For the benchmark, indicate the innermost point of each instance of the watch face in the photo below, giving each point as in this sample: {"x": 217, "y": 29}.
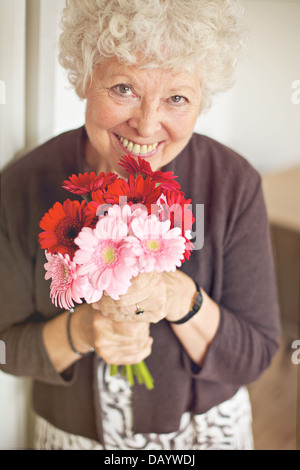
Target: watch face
{"x": 198, "y": 302}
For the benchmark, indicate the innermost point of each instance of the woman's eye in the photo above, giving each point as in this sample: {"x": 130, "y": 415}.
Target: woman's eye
{"x": 123, "y": 89}
{"x": 178, "y": 99}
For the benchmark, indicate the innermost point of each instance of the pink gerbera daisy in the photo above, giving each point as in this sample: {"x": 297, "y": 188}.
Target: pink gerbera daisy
{"x": 162, "y": 248}
{"x": 67, "y": 286}
{"x": 106, "y": 256}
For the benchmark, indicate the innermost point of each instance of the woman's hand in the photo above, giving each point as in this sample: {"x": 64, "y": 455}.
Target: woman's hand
{"x": 147, "y": 291}
{"x": 120, "y": 336}
{"x": 116, "y": 342}
{"x": 167, "y": 295}
{"x": 121, "y": 343}
{"x": 180, "y": 293}
{"x": 159, "y": 295}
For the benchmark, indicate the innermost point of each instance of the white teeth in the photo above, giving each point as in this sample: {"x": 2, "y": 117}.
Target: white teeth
{"x": 136, "y": 148}
{"x": 144, "y": 149}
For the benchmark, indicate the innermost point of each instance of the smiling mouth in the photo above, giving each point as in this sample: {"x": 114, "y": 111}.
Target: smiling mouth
{"x": 137, "y": 149}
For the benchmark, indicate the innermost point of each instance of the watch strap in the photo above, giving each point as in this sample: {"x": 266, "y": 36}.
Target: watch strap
{"x": 197, "y": 304}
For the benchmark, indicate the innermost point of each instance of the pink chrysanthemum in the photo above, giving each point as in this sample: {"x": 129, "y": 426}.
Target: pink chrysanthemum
{"x": 67, "y": 286}
{"x": 106, "y": 255}
{"x": 162, "y": 247}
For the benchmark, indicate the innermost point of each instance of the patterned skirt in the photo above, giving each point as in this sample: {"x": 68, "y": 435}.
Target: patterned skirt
{"x": 227, "y": 426}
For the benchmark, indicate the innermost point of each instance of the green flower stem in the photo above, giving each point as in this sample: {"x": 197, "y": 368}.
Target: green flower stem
{"x": 137, "y": 374}
{"x": 113, "y": 369}
{"x": 87, "y": 198}
{"x": 129, "y": 373}
{"x": 140, "y": 371}
{"x": 148, "y": 379}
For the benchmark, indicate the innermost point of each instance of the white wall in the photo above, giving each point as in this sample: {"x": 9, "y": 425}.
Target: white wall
{"x": 13, "y": 391}
{"x": 69, "y": 109}
{"x": 12, "y": 76}
{"x": 257, "y": 117}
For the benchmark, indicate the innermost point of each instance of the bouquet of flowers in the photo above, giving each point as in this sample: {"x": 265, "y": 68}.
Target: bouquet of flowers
{"x": 121, "y": 228}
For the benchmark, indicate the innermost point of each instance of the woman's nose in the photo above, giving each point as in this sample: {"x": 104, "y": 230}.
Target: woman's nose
{"x": 146, "y": 119}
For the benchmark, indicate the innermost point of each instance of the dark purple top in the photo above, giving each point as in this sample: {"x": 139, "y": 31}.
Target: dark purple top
{"x": 234, "y": 266}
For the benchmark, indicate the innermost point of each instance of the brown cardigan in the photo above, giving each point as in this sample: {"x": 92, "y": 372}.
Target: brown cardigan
{"x": 234, "y": 266}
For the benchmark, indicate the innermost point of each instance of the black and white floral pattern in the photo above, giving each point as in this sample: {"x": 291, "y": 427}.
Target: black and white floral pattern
{"x": 227, "y": 426}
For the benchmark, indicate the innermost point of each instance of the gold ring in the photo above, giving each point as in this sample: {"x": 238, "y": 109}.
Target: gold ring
{"x": 139, "y": 310}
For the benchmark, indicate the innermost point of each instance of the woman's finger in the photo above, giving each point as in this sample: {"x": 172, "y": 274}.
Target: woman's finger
{"x": 150, "y": 306}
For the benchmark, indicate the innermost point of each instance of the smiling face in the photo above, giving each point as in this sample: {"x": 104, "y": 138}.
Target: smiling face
{"x": 149, "y": 113}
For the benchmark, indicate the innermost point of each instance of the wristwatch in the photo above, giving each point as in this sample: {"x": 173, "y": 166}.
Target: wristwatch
{"x": 196, "y": 305}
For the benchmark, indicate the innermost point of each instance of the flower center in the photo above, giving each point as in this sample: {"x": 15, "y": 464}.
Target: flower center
{"x": 109, "y": 255}
{"x": 62, "y": 277}
{"x": 67, "y": 230}
{"x": 136, "y": 198}
{"x": 153, "y": 245}
{"x": 64, "y": 272}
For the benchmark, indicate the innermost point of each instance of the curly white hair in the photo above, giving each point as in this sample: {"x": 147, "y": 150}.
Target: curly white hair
{"x": 207, "y": 34}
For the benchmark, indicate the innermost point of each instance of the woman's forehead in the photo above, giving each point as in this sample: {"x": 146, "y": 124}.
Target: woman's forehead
{"x": 140, "y": 74}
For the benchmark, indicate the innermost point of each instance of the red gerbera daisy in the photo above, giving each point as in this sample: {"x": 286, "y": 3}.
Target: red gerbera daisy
{"x": 98, "y": 199}
{"x": 137, "y": 191}
{"x": 62, "y": 224}
{"x": 142, "y": 167}
{"x": 176, "y": 208}
{"x": 85, "y": 184}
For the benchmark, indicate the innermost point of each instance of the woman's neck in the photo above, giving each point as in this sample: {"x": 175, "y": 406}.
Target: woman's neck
{"x": 93, "y": 161}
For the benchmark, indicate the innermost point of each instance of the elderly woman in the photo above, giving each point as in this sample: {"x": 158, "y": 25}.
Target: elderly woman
{"x": 146, "y": 69}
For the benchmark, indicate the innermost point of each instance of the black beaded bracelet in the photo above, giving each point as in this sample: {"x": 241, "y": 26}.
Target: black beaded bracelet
{"x": 71, "y": 311}
{"x": 197, "y": 304}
